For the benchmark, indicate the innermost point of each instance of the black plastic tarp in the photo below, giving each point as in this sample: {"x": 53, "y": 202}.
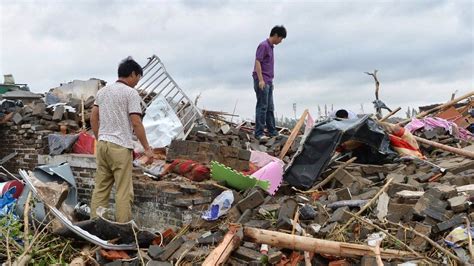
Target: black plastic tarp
{"x": 320, "y": 144}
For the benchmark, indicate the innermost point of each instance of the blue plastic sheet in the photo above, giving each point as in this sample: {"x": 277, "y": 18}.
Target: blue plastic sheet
{"x": 7, "y": 202}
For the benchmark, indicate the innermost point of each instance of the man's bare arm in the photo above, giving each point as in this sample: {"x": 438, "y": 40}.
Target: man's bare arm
{"x": 258, "y": 69}
{"x": 95, "y": 121}
{"x": 140, "y": 133}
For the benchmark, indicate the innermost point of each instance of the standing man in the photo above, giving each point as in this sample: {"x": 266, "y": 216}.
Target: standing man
{"x": 115, "y": 116}
{"x": 263, "y": 84}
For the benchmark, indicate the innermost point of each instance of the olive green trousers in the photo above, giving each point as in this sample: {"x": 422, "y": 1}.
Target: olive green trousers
{"x": 114, "y": 165}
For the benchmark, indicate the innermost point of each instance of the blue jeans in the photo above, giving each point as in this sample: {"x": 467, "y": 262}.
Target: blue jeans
{"x": 264, "y": 115}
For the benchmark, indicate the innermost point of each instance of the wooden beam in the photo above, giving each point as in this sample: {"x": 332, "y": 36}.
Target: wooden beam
{"x": 465, "y": 153}
{"x": 439, "y": 107}
{"x": 294, "y": 133}
{"x": 390, "y": 114}
{"x": 316, "y": 245}
{"x": 221, "y": 253}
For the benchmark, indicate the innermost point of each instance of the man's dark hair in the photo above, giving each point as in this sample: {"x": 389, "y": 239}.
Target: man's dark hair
{"x": 342, "y": 114}
{"x": 127, "y": 66}
{"x": 278, "y": 30}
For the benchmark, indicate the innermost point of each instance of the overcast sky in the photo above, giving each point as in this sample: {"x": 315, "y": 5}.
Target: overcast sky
{"x": 422, "y": 49}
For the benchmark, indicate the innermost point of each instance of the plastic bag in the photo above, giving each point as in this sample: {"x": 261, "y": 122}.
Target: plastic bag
{"x": 161, "y": 123}
{"x": 156, "y": 168}
{"x": 85, "y": 144}
{"x": 219, "y": 206}
{"x": 375, "y": 239}
{"x": 458, "y": 236}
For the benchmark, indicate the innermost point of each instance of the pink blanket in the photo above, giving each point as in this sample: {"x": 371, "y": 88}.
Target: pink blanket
{"x": 430, "y": 123}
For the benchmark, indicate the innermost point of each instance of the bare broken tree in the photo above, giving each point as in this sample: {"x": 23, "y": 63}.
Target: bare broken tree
{"x": 377, "y": 83}
{"x": 378, "y": 104}
{"x": 197, "y": 99}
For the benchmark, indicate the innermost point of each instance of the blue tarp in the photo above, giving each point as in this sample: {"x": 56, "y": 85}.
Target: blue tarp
{"x": 7, "y": 202}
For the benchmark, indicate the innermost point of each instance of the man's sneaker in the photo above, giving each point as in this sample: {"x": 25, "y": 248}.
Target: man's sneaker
{"x": 263, "y": 138}
{"x": 275, "y": 135}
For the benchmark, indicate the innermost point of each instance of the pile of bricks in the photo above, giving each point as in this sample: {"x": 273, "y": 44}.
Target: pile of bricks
{"x": 361, "y": 200}
{"x": 28, "y": 130}
{"x": 400, "y": 199}
{"x": 40, "y": 117}
{"x": 241, "y": 136}
{"x": 410, "y": 206}
{"x": 431, "y": 209}
{"x": 205, "y": 152}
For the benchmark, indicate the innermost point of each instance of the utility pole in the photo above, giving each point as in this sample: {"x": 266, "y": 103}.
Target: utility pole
{"x": 233, "y": 112}
{"x": 294, "y": 109}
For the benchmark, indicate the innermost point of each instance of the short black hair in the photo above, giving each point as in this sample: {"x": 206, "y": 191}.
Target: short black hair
{"x": 127, "y": 66}
{"x": 278, "y": 30}
{"x": 342, "y": 113}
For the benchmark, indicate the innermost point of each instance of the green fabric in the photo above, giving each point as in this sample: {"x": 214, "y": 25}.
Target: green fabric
{"x": 235, "y": 179}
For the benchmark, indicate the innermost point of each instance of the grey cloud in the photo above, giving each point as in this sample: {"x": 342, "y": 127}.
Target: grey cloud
{"x": 209, "y": 46}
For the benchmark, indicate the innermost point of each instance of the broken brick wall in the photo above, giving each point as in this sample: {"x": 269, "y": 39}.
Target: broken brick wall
{"x": 204, "y": 152}
{"x": 157, "y": 204}
{"x": 27, "y": 140}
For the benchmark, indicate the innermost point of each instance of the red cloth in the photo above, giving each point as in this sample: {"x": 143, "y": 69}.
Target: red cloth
{"x": 85, "y": 144}
{"x": 190, "y": 169}
{"x": 403, "y": 142}
{"x": 252, "y": 169}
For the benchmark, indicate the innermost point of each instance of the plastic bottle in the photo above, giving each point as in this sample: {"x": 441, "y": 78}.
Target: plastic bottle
{"x": 264, "y": 252}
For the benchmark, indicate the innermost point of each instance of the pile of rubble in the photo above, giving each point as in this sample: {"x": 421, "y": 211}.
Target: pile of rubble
{"x": 338, "y": 192}
{"x": 65, "y": 106}
{"x": 33, "y": 121}
{"x": 42, "y": 117}
{"x": 411, "y": 209}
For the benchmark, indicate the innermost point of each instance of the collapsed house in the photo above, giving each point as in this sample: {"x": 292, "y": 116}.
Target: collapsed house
{"x": 338, "y": 192}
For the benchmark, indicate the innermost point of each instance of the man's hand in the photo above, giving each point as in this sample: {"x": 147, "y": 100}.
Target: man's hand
{"x": 258, "y": 69}
{"x": 149, "y": 154}
{"x": 140, "y": 133}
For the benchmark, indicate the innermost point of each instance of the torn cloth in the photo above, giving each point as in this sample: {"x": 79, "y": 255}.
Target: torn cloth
{"x": 404, "y": 143}
{"x": 430, "y": 123}
{"x": 190, "y": 169}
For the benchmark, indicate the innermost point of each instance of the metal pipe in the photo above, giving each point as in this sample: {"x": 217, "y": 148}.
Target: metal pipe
{"x": 170, "y": 90}
{"x": 159, "y": 76}
{"x": 148, "y": 78}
